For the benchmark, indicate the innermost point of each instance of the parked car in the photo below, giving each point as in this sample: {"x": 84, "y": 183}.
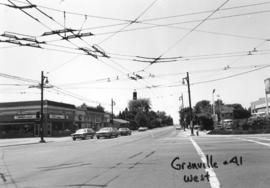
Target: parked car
{"x": 83, "y": 134}
{"x": 177, "y": 127}
{"x": 142, "y": 129}
{"x": 107, "y": 132}
{"x": 124, "y": 131}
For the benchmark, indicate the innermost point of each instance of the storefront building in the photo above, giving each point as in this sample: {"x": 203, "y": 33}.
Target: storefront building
{"x": 22, "y": 119}
{"x": 89, "y": 117}
{"x": 258, "y": 107}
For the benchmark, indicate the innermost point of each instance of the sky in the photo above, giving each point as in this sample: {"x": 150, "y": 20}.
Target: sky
{"x": 223, "y": 44}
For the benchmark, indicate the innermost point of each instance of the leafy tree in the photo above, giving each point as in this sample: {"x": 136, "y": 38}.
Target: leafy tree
{"x": 154, "y": 123}
{"x": 205, "y": 122}
{"x": 143, "y": 105}
{"x": 185, "y": 116}
{"x": 239, "y": 112}
{"x": 203, "y": 108}
{"x": 141, "y": 119}
{"x": 139, "y": 114}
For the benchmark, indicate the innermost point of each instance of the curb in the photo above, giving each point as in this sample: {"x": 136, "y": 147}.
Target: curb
{"x": 21, "y": 144}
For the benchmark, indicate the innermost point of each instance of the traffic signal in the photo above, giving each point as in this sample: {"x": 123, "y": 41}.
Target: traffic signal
{"x": 38, "y": 115}
{"x": 135, "y": 95}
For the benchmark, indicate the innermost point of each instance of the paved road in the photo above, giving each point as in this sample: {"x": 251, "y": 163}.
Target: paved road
{"x": 160, "y": 158}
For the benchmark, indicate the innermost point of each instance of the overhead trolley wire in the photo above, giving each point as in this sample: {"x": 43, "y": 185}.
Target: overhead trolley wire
{"x": 206, "y": 11}
{"x": 130, "y": 23}
{"x": 231, "y": 76}
{"x": 149, "y": 19}
{"x": 194, "y": 28}
{"x": 75, "y": 13}
{"x": 186, "y": 35}
{"x": 18, "y": 78}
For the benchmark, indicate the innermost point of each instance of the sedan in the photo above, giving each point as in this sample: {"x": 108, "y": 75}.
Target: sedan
{"x": 107, "y": 132}
{"x": 124, "y": 131}
{"x": 142, "y": 129}
{"x": 83, "y": 134}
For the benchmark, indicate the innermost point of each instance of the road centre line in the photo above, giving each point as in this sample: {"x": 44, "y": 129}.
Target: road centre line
{"x": 257, "y": 142}
{"x": 213, "y": 180}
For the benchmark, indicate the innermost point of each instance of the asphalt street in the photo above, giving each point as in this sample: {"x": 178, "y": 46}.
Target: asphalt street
{"x": 163, "y": 157}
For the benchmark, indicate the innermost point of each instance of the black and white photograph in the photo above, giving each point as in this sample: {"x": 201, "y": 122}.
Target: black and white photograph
{"x": 134, "y": 93}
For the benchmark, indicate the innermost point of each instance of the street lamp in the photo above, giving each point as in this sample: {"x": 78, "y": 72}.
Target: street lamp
{"x": 189, "y": 99}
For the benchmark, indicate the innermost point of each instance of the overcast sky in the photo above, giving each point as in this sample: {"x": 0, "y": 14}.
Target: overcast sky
{"x": 224, "y": 45}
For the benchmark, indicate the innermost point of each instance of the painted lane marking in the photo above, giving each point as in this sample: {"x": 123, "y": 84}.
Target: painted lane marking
{"x": 257, "y": 142}
{"x": 213, "y": 180}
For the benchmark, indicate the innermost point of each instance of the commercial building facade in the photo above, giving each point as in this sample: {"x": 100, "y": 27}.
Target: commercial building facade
{"x": 89, "y": 117}
{"x": 22, "y": 119}
{"x": 258, "y": 107}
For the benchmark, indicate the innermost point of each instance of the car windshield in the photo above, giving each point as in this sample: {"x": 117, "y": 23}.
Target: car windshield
{"x": 123, "y": 129}
{"x": 80, "y": 131}
{"x": 106, "y": 129}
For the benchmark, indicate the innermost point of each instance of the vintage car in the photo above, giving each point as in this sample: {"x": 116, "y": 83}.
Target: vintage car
{"x": 142, "y": 129}
{"x": 107, "y": 132}
{"x": 124, "y": 131}
{"x": 83, "y": 134}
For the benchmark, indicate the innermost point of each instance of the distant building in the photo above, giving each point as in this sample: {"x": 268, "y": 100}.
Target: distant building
{"x": 89, "y": 117}
{"x": 120, "y": 123}
{"x": 258, "y": 107}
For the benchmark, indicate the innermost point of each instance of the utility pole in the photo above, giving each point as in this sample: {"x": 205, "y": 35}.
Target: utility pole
{"x": 41, "y": 86}
{"x": 190, "y": 108}
{"x": 214, "y": 108}
{"x": 41, "y": 109}
{"x": 112, "y": 103}
{"x": 213, "y": 100}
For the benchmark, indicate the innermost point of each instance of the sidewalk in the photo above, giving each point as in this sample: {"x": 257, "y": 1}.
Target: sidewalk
{"x": 5, "y": 142}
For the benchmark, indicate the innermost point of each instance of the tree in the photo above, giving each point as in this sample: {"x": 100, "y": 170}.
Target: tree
{"x": 239, "y": 112}
{"x": 185, "y": 116}
{"x": 205, "y": 122}
{"x": 143, "y": 105}
{"x": 141, "y": 119}
{"x": 203, "y": 108}
{"x": 203, "y": 115}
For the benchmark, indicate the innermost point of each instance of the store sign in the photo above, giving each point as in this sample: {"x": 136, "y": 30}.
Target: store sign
{"x": 25, "y": 116}
{"x": 57, "y": 116}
